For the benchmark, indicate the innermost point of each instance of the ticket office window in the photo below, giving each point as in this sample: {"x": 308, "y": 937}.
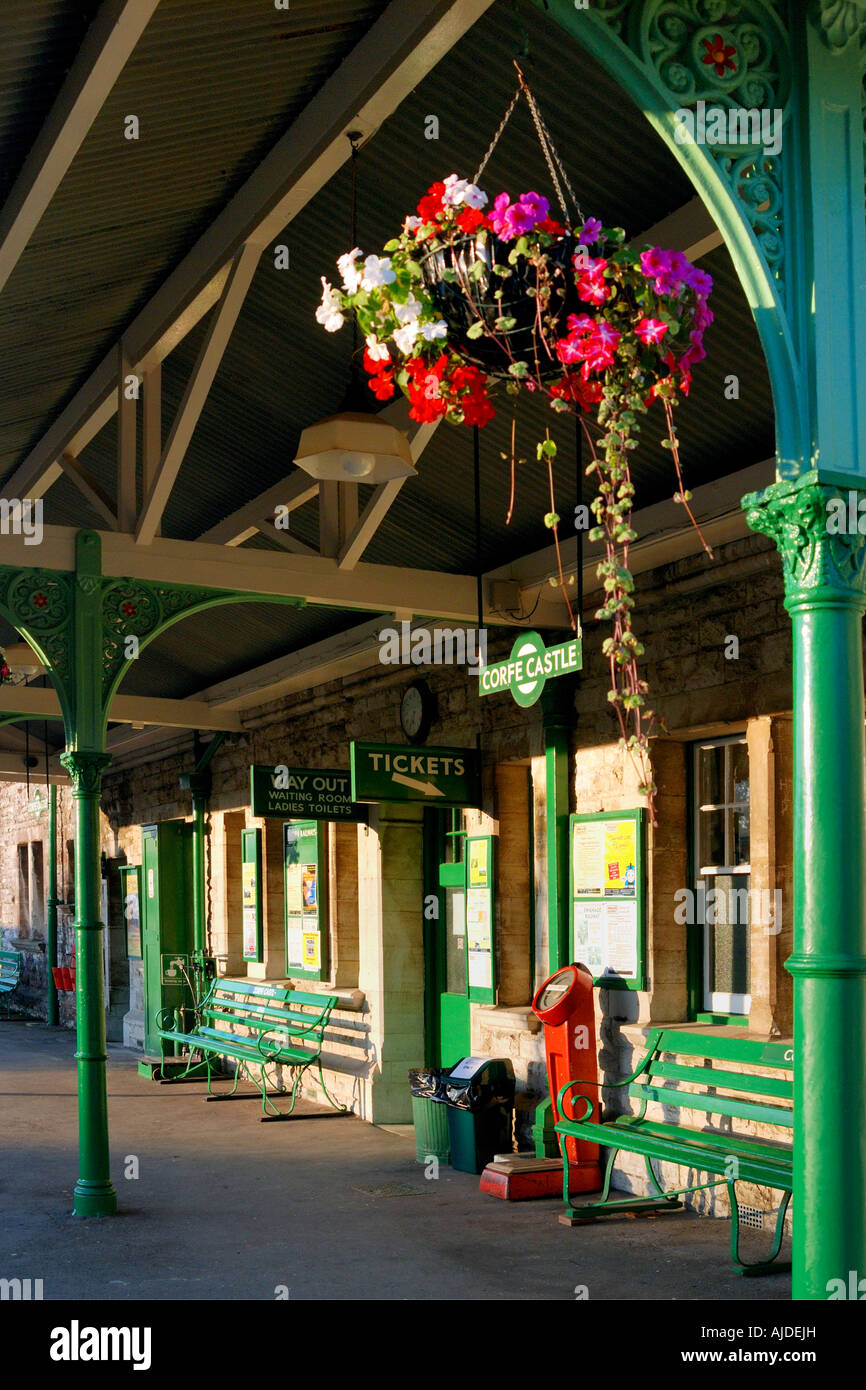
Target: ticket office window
{"x": 720, "y": 854}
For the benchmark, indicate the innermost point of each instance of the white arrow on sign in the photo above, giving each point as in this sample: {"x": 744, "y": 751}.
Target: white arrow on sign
{"x": 428, "y": 788}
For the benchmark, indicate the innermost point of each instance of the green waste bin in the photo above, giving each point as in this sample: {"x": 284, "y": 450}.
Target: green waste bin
{"x": 477, "y": 1095}
{"x": 429, "y": 1119}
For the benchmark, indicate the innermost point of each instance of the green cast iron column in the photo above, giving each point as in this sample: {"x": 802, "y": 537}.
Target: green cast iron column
{"x": 85, "y": 760}
{"x": 94, "y": 1193}
{"x": 825, "y": 588}
{"x": 51, "y": 904}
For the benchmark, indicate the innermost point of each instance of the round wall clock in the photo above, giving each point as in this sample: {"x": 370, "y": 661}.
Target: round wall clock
{"x": 417, "y": 711}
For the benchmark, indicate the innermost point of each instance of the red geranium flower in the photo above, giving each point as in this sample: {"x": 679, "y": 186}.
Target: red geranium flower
{"x": 573, "y": 387}
{"x": 470, "y": 220}
{"x": 552, "y": 227}
{"x": 719, "y": 55}
{"x": 382, "y": 385}
{"x": 430, "y": 205}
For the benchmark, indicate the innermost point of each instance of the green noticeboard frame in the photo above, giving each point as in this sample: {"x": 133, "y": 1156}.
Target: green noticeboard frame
{"x": 251, "y": 894}
{"x": 480, "y": 921}
{"x": 130, "y": 888}
{"x": 607, "y": 896}
{"x": 305, "y": 899}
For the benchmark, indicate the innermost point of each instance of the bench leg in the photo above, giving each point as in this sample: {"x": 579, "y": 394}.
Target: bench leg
{"x": 758, "y": 1267}
{"x": 335, "y": 1103}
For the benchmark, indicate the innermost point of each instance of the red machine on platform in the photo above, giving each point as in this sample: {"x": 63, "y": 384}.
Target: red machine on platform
{"x": 565, "y": 1003}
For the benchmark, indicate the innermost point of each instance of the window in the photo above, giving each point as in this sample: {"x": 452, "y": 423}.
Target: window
{"x": 23, "y": 889}
{"x": 722, "y": 875}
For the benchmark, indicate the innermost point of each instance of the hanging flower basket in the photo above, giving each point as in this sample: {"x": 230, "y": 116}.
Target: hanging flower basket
{"x": 474, "y": 299}
{"x": 463, "y": 277}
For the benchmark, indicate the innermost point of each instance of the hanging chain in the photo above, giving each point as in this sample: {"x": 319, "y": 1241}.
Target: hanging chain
{"x": 555, "y": 166}
{"x": 495, "y": 141}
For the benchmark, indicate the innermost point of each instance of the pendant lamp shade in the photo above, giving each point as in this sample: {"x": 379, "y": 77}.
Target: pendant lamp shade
{"x": 22, "y": 660}
{"x": 353, "y": 447}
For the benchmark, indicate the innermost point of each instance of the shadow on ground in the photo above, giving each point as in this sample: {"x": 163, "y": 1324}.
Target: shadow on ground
{"x": 227, "y": 1208}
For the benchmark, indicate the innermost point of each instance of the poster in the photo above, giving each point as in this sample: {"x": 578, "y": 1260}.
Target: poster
{"x": 132, "y": 913}
{"x": 479, "y": 868}
{"x": 310, "y": 958}
{"x": 294, "y": 942}
{"x": 479, "y": 932}
{"x": 588, "y": 859}
{"x": 605, "y": 938}
{"x": 589, "y": 936}
{"x": 620, "y": 837}
{"x": 249, "y": 897}
{"x": 304, "y": 891}
{"x": 309, "y": 899}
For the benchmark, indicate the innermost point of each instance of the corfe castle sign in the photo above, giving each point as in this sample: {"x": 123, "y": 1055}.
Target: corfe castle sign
{"x": 529, "y": 667}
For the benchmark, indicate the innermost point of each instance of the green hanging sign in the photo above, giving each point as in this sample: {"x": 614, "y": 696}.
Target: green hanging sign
{"x": 529, "y": 667}
{"x": 308, "y": 793}
{"x": 394, "y": 772}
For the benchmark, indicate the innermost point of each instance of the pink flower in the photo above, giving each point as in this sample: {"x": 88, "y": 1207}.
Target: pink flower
{"x": 516, "y": 219}
{"x": 703, "y": 315}
{"x": 591, "y": 286}
{"x": 699, "y": 281}
{"x": 590, "y": 232}
{"x": 651, "y": 330}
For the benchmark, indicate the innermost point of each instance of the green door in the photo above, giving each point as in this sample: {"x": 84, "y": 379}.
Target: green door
{"x": 447, "y": 977}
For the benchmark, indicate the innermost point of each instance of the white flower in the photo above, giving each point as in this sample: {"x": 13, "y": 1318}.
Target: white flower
{"x": 404, "y": 338}
{"x": 378, "y": 351}
{"x": 432, "y": 331}
{"x": 329, "y": 311}
{"x": 412, "y": 224}
{"x": 349, "y": 271}
{"x": 459, "y": 191}
{"x": 410, "y": 310}
{"x": 377, "y": 272}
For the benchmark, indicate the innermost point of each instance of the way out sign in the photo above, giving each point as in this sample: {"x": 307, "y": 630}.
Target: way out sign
{"x": 393, "y": 772}
{"x": 529, "y": 667}
{"x": 303, "y": 793}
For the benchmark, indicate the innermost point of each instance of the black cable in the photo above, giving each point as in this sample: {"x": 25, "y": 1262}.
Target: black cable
{"x": 479, "y": 586}
{"x": 578, "y": 451}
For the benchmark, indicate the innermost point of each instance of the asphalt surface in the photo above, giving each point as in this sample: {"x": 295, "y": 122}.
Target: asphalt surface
{"x": 320, "y": 1208}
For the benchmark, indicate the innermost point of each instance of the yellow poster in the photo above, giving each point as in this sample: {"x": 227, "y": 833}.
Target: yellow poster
{"x": 620, "y": 851}
{"x": 294, "y": 896}
{"x": 248, "y": 881}
{"x": 311, "y": 950}
{"x": 479, "y": 870}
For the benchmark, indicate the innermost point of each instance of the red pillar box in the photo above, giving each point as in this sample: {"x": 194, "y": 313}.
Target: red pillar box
{"x": 565, "y": 1003}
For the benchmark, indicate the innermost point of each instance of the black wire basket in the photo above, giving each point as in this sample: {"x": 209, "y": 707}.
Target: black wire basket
{"x": 466, "y": 299}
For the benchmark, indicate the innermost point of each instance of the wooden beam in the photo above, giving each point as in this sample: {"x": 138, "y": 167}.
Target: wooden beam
{"x": 395, "y": 54}
{"x": 224, "y": 318}
{"x": 151, "y": 428}
{"x": 42, "y": 701}
{"x": 88, "y": 486}
{"x": 290, "y": 492}
{"x": 689, "y": 229}
{"x": 369, "y": 523}
{"x": 127, "y": 424}
{"x": 12, "y": 769}
{"x": 105, "y": 50}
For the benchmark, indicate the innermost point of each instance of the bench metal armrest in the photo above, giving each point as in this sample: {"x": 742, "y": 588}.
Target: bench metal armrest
{"x": 286, "y": 1032}
{"x": 590, "y": 1104}
{"x": 168, "y": 1014}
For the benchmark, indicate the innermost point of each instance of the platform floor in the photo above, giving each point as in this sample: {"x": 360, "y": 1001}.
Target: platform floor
{"x": 335, "y": 1209}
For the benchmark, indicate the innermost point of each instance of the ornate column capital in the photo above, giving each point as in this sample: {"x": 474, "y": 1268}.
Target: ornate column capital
{"x": 838, "y": 20}
{"x": 86, "y": 769}
{"x": 817, "y": 529}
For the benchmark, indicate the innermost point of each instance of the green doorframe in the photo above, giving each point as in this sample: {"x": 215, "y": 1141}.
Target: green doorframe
{"x": 795, "y": 227}
{"x": 86, "y": 630}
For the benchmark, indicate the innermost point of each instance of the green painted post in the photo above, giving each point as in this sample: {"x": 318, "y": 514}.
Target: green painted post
{"x": 85, "y": 760}
{"x": 51, "y": 905}
{"x": 825, "y": 587}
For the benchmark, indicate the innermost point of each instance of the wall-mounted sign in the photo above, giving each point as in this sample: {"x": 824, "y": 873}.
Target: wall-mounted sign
{"x": 313, "y": 793}
{"x": 391, "y": 772}
{"x": 304, "y": 885}
{"x": 529, "y": 667}
{"x": 607, "y": 874}
{"x": 251, "y": 893}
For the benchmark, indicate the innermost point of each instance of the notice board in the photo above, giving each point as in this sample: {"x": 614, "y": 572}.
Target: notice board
{"x": 305, "y": 889}
{"x": 251, "y": 893}
{"x": 607, "y": 875}
{"x": 480, "y": 940}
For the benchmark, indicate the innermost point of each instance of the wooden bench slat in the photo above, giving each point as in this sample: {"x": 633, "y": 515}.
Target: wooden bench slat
{"x": 728, "y": 1080}
{"x": 715, "y": 1105}
{"x": 750, "y": 1051}
{"x": 764, "y": 1169}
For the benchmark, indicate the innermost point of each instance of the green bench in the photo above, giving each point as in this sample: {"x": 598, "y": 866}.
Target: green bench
{"x": 729, "y": 1156}
{"x": 10, "y": 971}
{"x": 285, "y": 1026}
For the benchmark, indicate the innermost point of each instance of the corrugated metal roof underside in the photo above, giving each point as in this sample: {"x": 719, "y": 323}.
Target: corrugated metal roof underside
{"x": 281, "y": 371}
